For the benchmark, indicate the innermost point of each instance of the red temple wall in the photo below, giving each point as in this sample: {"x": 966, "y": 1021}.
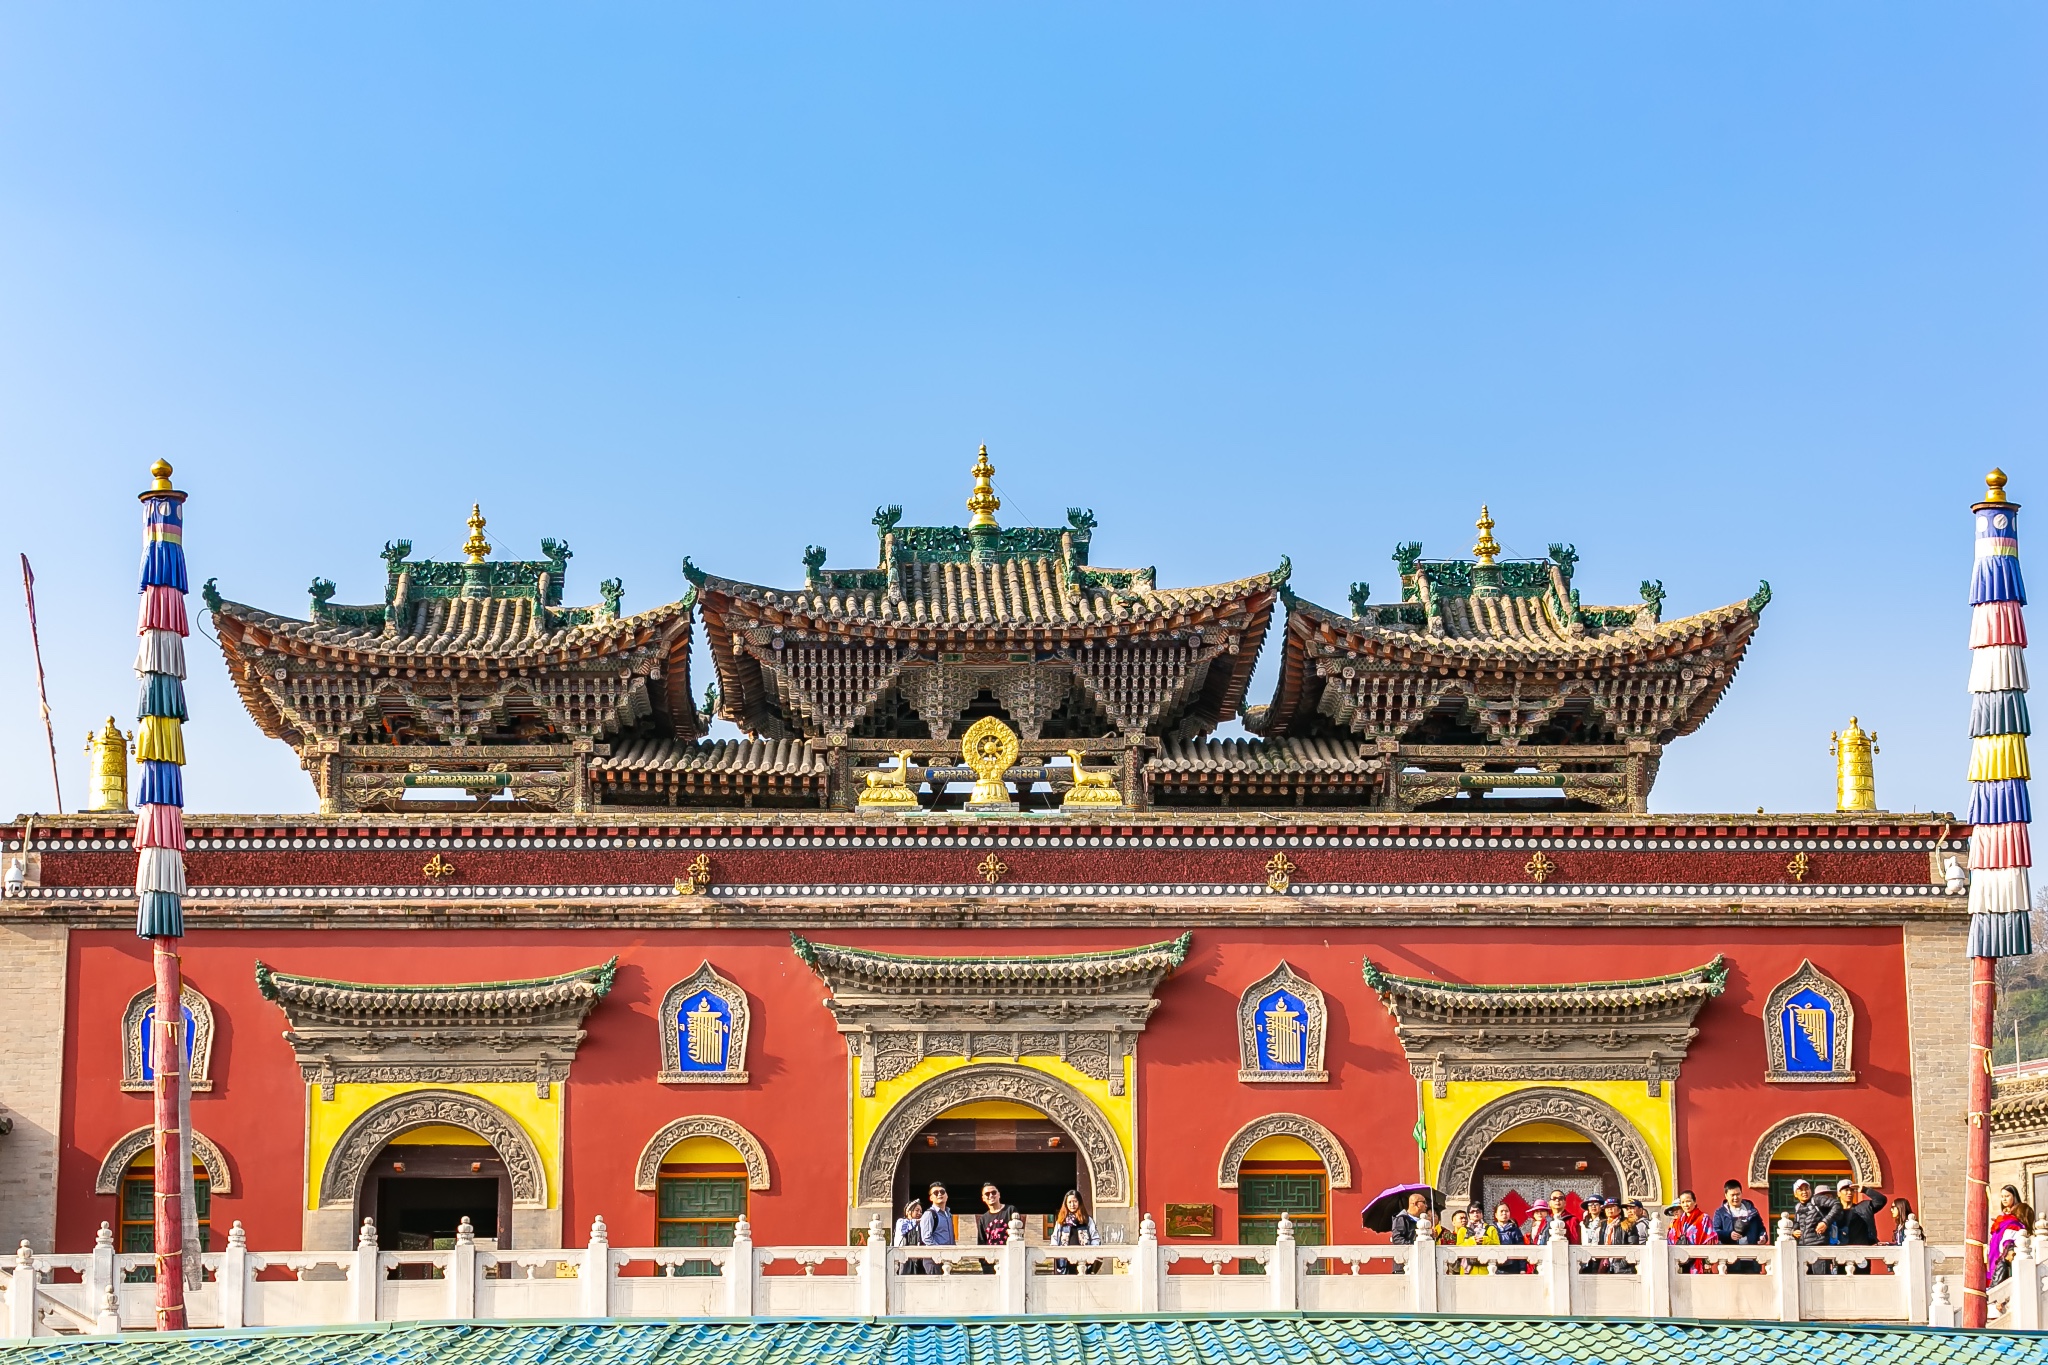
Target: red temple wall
{"x": 1189, "y": 1099}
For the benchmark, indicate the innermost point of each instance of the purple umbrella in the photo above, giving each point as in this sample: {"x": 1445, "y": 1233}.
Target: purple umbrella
{"x": 1379, "y": 1214}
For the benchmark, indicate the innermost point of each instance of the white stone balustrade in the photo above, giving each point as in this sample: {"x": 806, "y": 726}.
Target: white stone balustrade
{"x": 95, "y": 1292}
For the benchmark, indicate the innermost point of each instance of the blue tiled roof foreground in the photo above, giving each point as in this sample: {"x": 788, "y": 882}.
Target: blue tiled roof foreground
{"x": 1055, "y": 1341}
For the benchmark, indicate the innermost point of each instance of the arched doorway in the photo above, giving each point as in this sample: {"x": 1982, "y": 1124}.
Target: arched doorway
{"x": 425, "y": 1181}
{"x": 1523, "y": 1165}
{"x": 700, "y": 1169}
{"x": 419, "y": 1163}
{"x": 1099, "y": 1168}
{"x": 1552, "y": 1128}
{"x": 1028, "y": 1157}
{"x": 1815, "y": 1147}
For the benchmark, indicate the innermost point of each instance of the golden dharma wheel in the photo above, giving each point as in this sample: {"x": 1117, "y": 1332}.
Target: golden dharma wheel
{"x": 990, "y": 748}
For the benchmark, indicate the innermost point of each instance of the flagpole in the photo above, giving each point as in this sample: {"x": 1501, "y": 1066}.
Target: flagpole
{"x": 160, "y": 878}
{"x": 28, "y": 589}
{"x": 2001, "y": 851}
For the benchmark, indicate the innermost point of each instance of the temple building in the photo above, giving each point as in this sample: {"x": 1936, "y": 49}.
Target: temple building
{"x": 980, "y": 895}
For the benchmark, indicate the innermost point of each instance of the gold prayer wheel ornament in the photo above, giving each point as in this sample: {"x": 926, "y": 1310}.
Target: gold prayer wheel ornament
{"x": 106, "y": 788}
{"x": 1855, "y": 774}
{"x": 476, "y": 547}
{"x": 1994, "y": 486}
{"x": 1487, "y": 547}
{"x": 983, "y": 502}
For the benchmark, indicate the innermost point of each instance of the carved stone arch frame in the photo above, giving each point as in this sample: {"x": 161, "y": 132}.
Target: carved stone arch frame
{"x": 1095, "y": 1141}
{"x": 1282, "y": 977}
{"x": 350, "y": 1160}
{"x": 1841, "y": 1046}
{"x": 1863, "y": 1163}
{"x": 702, "y": 1125}
{"x": 139, "y": 1140}
{"x": 1604, "y": 1125}
{"x": 1335, "y": 1160}
{"x": 131, "y": 1038}
{"x": 707, "y": 979}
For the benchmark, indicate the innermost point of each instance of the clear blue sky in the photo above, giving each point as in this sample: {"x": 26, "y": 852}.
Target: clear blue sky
{"x": 1718, "y": 292}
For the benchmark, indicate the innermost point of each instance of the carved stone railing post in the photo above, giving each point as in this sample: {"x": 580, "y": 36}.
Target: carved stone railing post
{"x": 1146, "y": 1267}
{"x": 1917, "y": 1274}
{"x": 1656, "y": 1268}
{"x": 21, "y": 1293}
{"x": 1941, "y": 1309}
{"x": 231, "y": 1280}
{"x": 107, "y": 1321}
{"x": 364, "y": 1273}
{"x": 100, "y": 1278}
{"x": 1013, "y": 1271}
{"x": 740, "y": 1272}
{"x": 596, "y": 1271}
{"x": 1557, "y": 1271}
{"x": 462, "y": 1273}
{"x": 1422, "y": 1269}
{"x": 1785, "y": 1265}
{"x": 1283, "y": 1276}
{"x": 874, "y": 1270}
{"x": 2025, "y": 1313}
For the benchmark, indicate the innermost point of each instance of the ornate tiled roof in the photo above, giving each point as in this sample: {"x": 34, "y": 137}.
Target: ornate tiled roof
{"x": 477, "y": 653}
{"x": 1156, "y": 1339}
{"x": 905, "y": 649}
{"x": 2020, "y": 1106}
{"x": 861, "y": 969}
{"x": 311, "y": 1000}
{"x": 1420, "y": 998}
{"x": 1260, "y": 757}
{"x": 671, "y": 772}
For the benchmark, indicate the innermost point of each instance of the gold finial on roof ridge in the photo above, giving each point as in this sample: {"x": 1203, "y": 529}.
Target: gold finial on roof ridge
{"x": 1994, "y": 486}
{"x": 983, "y": 502}
{"x": 161, "y": 472}
{"x": 1855, "y": 773}
{"x": 1487, "y": 547}
{"x": 476, "y": 547}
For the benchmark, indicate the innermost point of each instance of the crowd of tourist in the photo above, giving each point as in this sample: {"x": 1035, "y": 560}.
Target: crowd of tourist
{"x": 1845, "y": 1215}
{"x": 938, "y": 1226}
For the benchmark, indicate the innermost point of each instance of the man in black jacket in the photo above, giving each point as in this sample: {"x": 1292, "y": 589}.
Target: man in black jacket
{"x": 1858, "y": 1220}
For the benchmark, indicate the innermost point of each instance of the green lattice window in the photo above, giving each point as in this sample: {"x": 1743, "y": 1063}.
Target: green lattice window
{"x": 1261, "y": 1199}
{"x": 138, "y": 1216}
{"x": 698, "y": 1211}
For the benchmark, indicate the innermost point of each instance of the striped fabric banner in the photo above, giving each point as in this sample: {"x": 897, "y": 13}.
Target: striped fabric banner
{"x": 2001, "y": 854}
{"x": 161, "y": 629}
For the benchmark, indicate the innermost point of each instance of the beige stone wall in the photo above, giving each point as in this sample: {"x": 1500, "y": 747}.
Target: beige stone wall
{"x": 32, "y": 996}
{"x": 1938, "y": 1022}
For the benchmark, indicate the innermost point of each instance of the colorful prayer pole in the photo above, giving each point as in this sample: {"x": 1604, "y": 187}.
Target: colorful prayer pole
{"x": 2000, "y": 853}
{"x": 160, "y": 875}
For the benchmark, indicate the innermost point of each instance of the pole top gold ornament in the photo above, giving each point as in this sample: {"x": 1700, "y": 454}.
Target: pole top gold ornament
{"x": 1487, "y": 547}
{"x": 983, "y": 502}
{"x": 476, "y": 547}
{"x": 1994, "y": 486}
{"x": 1855, "y": 772}
{"x": 161, "y": 472}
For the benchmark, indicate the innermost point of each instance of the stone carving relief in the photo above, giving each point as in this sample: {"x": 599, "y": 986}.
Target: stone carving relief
{"x": 1274, "y": 1044}
{"x": 1108, "y": 1176}
{"x": 137, "y": 1141}
{"x": 704, "y": 1019}
{"x": 702, "y": 1125}
{"x": 139, "y": 1004}
{"x": 1335, "y": 1161}
{"x": 1845, "y": 1135}
{"x": 1615, "y": 1136}
{"x": 1809, "y": 1029}
{"x": 380, "y": 1123}
{"x": 885, "y": 1055}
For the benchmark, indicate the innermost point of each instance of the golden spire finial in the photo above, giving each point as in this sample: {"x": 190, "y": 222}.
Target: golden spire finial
{"x": 161, "y": 472}
{"x": 1487, "y": 547}
{"x": 1994, "y": 486}
{"x": 476, "y": 547}
{"x": 983, "y": 502}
